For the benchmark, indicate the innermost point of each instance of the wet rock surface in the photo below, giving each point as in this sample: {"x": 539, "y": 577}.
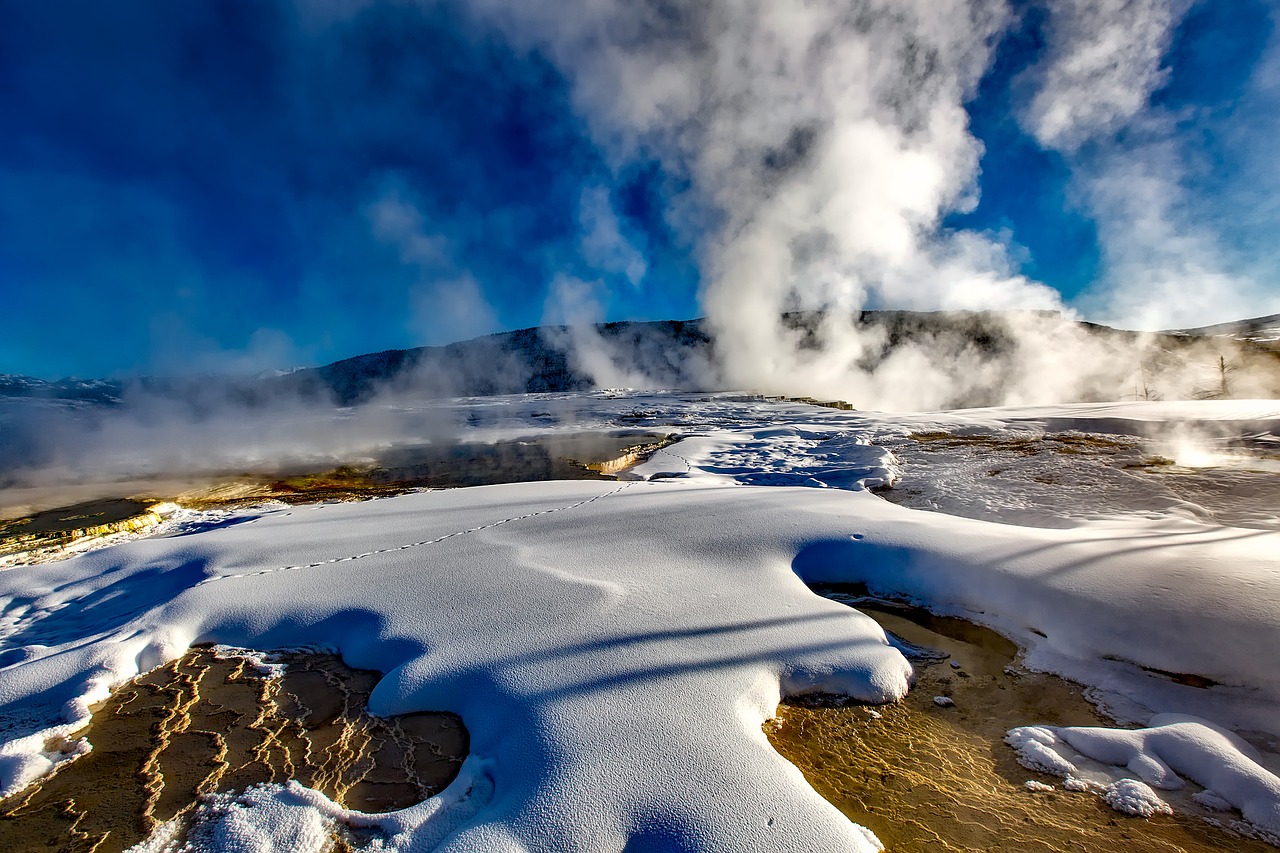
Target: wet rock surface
{"x": 1039, "y": 479}
{"x": 53, "y": 534}
{"x": 209, "y": 723}
{"x": 53, "y": 531}
{"x": 926, "y": 777}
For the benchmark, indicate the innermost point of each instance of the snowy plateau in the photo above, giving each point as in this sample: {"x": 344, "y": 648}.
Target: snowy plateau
{"x": 614, "y": 648}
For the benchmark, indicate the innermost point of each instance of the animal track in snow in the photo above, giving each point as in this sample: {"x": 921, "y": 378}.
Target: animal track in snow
{"x": 437, "y": 540}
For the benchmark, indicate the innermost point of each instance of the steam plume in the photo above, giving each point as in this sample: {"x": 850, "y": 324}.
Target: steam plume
{"x": 824, "y": 143}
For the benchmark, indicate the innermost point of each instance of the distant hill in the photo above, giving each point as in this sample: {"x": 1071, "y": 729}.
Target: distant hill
{"x": 668, "y": 354}
{"x": 87, "y": 390}
{"x": 1259, "y": 330}
{"x": 524, "y": 361}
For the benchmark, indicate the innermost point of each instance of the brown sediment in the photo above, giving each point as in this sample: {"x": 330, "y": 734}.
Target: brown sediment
{"x": 924, "y": 777}
{"x": 1070, "y": 443}
{"x": 206, "y": 723}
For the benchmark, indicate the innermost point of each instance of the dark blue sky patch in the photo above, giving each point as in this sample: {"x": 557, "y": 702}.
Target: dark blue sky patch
{"x": 261, "y": 145}
{"x": 1215, "y": 50}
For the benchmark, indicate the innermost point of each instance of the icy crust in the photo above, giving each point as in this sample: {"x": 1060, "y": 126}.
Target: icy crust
{"x": 1171, "y": 747}
{"x": 25, "y": 759}
{"x": 613, "y": 649}
{"x": 814, "y": 456}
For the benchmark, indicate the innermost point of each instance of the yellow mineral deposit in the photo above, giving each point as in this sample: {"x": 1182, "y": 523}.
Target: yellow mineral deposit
{"x": 207, "y": 723}
{"x": 55, "y": 534}
{"x": 628, "y": 456}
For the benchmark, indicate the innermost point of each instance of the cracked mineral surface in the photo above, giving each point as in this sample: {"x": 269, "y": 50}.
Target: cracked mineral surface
{"x": 215, "y": 722}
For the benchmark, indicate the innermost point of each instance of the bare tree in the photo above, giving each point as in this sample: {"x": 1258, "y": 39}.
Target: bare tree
{"x": 1224, "y": 388}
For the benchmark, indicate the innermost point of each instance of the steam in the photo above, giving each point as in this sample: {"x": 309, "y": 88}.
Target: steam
{"x": 1167, "y": 261}
{"x": 603, "y": 245}
{"x": 447, "y": 303}
{"x": 1105, "y": 58}
{"x": 820, "y": 145}
{"x": 573, "y": 312}
{"x": 197, "y": 430}
{"x": 825, "y": 142}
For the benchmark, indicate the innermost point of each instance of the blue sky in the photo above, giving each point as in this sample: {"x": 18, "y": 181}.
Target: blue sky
{"x": 244, "y": 184}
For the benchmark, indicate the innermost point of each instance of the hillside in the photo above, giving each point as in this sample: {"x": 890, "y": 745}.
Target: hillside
{"x": 1234, "y": 359}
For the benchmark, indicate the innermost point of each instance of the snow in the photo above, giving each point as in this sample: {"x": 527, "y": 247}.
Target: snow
{"x": 1170, "y": 747}
{"x": 1103, "y": 417}
{"x": 290, "y": 818}
{"x": 614, "y": 648}
{"x": 776, "y": 456}
{"x": 1035, "y": 748}
{"x": 1129, "y": 796}
{"x": 618, "y": 676}
{"x": 1212, "y": 801}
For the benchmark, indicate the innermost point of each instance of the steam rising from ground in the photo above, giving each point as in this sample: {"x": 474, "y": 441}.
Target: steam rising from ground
{"x": 824, "y": 143}
{"x": 154, "y": 441}
{"x": 1170, "y": 248}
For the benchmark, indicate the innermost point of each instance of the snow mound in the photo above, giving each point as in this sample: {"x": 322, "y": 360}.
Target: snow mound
{"x": 1035, "y": 748}
{"x": 613, "y": 649}
{"x": 1171, "y": 747}
{"x": 1130, "y": 796}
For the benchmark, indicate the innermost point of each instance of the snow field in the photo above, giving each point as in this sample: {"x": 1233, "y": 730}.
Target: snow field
{"x": 614, "y": 649}
{"x": 616, "y": 675}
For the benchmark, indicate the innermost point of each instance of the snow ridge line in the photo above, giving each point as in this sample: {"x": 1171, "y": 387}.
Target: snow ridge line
{"x": 406, "y": 547}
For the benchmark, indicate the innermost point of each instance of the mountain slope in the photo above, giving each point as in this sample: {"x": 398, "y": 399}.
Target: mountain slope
{"x": 1230, "y": 359}
{"x": 1259, "y": 330}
